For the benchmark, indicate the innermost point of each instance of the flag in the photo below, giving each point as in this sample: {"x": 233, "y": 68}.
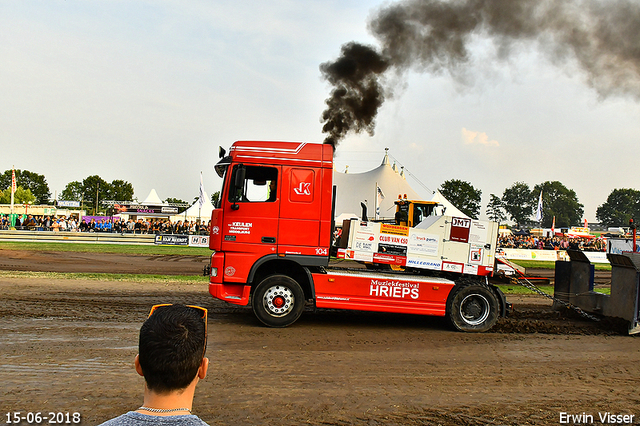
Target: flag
{"x": 379, "y": 198}
{"x": 539, "y": 211}
{"x": 553, "y": 227}
{"x": 13, "y": 187}
{"x": 13, "y": 181}
{"x": 202, "y": 196}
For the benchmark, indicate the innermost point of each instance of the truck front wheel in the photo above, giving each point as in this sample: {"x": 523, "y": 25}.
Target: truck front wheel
{"x": 278, "y": 301}
{"x": 473, "y": 308}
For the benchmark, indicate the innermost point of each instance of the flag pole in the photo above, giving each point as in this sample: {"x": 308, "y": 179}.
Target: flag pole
{"x": 13, "y": 186}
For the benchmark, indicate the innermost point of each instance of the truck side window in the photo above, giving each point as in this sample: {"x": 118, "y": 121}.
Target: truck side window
{"x": 260, "y": 185}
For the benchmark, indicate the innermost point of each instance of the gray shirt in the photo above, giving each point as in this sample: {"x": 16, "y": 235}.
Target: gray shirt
{"x": 133, "y": 418}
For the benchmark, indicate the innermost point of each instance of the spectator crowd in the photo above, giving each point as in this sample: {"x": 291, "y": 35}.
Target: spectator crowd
{"x": 552, "y": 243}
{"x": 118, "y": 225}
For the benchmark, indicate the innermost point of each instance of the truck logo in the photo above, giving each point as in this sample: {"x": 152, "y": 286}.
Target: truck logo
{"x": 230, "y": 271}
{"x": 303, "y": 188}
{"x": 215, "y": 230}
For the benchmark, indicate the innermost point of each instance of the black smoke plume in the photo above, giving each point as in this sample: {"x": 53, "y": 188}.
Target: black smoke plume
{"x": 601, "y": 36}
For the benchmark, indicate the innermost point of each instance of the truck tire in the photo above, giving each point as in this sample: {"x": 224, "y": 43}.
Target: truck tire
{"x": 278, "y": 301}
{"x": 473, "y": 308}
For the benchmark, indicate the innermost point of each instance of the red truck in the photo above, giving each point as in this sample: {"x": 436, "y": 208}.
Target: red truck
{"x": 272, "y": 231}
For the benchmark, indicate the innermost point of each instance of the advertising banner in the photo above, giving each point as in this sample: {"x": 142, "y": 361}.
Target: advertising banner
{"x": 172, "y": 240}
{"x": 198, "y": 241}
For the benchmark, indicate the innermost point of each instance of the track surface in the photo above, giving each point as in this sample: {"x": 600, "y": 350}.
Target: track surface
{"x": 68, "y": 345}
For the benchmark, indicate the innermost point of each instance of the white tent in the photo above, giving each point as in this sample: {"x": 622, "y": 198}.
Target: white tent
{"x": 195, "y": 211}
{"x": 153, "y": 199}
{"x": 447, "y": 208}
{"x": 354, "y": 188}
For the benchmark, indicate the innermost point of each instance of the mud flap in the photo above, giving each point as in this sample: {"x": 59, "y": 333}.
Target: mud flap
{"x": 505, "y": 307}
{"x": 634, "y": 324}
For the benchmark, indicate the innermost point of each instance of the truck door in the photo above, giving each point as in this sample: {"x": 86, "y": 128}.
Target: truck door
{"x": 251, "y": 211}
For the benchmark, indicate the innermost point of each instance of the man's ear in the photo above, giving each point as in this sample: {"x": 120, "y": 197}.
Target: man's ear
{"x": 204, "y": 366}
{"x": 136, "y": 362}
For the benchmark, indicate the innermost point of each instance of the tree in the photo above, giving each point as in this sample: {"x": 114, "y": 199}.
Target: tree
{"x": 120, "y": 190}
{"x": 462, "y": 195}
{"x": 72, "y": 192}
{"x": 495, "y": 211}
{"x": 517, "y": 202}
{"x": 21, "y": 196}
{"x": 621, "y": 205}
{"x": 175, "y": 201}
{"x": 93, "y": 186}
{"x": 215, "y": 197}
{"x": 560, "y": 202}
{"x": 36, "y": 183}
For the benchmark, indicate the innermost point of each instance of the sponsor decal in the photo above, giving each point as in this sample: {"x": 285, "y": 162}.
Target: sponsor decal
{"x": 198, "y": 241}
{"x": 475, "y": 255}
{"x": 304, "y": 188}
{"x": 364, "y": 246}
{"x": 393, "y": 239}
{"x": 424, "y": 264}
{"x": 172, "y": 240}
{"x": 424, "y": 244}
{"x": 478, "y": 232}
{"x": 364, "y": 236}
{"x": 389, "y": 259}
{"x": 229, "y": 271}
{"x": 394, "y": 229}
{"x": 392, "y": 249}
{"x": 394, "y": 289}
{"x": 240, "y": 227}
{"x": 471, "y": 269}
{"x": 452, "y": 267}
{"x": 460, "y": 229}
{"x": 215, "y": 230}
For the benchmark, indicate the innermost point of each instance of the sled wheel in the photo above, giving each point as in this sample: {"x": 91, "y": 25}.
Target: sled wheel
{"x": 473, "y": 308}
{"x": 278, "y": 301}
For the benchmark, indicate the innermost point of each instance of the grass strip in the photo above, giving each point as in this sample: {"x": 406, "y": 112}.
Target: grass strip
{"x": 139, "y": 278}
{"x": 548, "y": 264}
{"x": 107, "y": 248}
{"x": 518, "y": 289}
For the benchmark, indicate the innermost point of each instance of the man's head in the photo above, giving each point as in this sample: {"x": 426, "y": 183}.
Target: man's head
{"x": 171, "y": 347}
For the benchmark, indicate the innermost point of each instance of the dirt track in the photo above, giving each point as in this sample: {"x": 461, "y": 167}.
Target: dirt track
{"x": 68, "y": 345}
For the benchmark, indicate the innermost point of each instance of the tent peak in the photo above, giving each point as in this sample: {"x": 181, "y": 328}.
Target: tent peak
{"x": 385, "y": 159}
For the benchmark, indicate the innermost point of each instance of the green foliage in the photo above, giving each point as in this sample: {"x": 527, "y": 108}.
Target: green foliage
{"x": 463, "y": 195}
{"x": 517, "y": 202}
{"x": 495, "y": 210}
{"x": 175, "y": 201}
{"x": 21, "y": 196}
{"x": 215, "y": 197}
{"x": 621, "y": 205}
{"x": 72, "y": 192}
{"x": 34, "y": 182}
{"x": 558, "y": 201}
{"x": 92, "y": 186}
{"x": 119, "y": 190}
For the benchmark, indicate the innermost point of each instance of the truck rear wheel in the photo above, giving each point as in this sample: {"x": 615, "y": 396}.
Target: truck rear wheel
{"x": 473, "y": 308}
{"x": 278, "y": 301}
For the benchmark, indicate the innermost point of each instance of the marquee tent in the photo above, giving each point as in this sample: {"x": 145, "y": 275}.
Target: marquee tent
{"x": 354, "y": 188}
{"x": 194, "y": 212}
{"x": 447, "y": 208}
{"x": 153, "y": 199}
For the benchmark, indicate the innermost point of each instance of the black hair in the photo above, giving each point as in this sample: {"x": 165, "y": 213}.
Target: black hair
{"x": 171, "y": 347}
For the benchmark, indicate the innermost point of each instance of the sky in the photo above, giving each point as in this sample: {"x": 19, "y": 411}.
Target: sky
{"x": 146, "y": 92}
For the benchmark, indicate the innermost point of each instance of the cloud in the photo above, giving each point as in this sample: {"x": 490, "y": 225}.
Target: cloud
{"x": 477, "y": 138}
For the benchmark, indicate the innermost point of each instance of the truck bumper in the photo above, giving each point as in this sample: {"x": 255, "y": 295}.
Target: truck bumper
{"x": 238, "y": 294}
